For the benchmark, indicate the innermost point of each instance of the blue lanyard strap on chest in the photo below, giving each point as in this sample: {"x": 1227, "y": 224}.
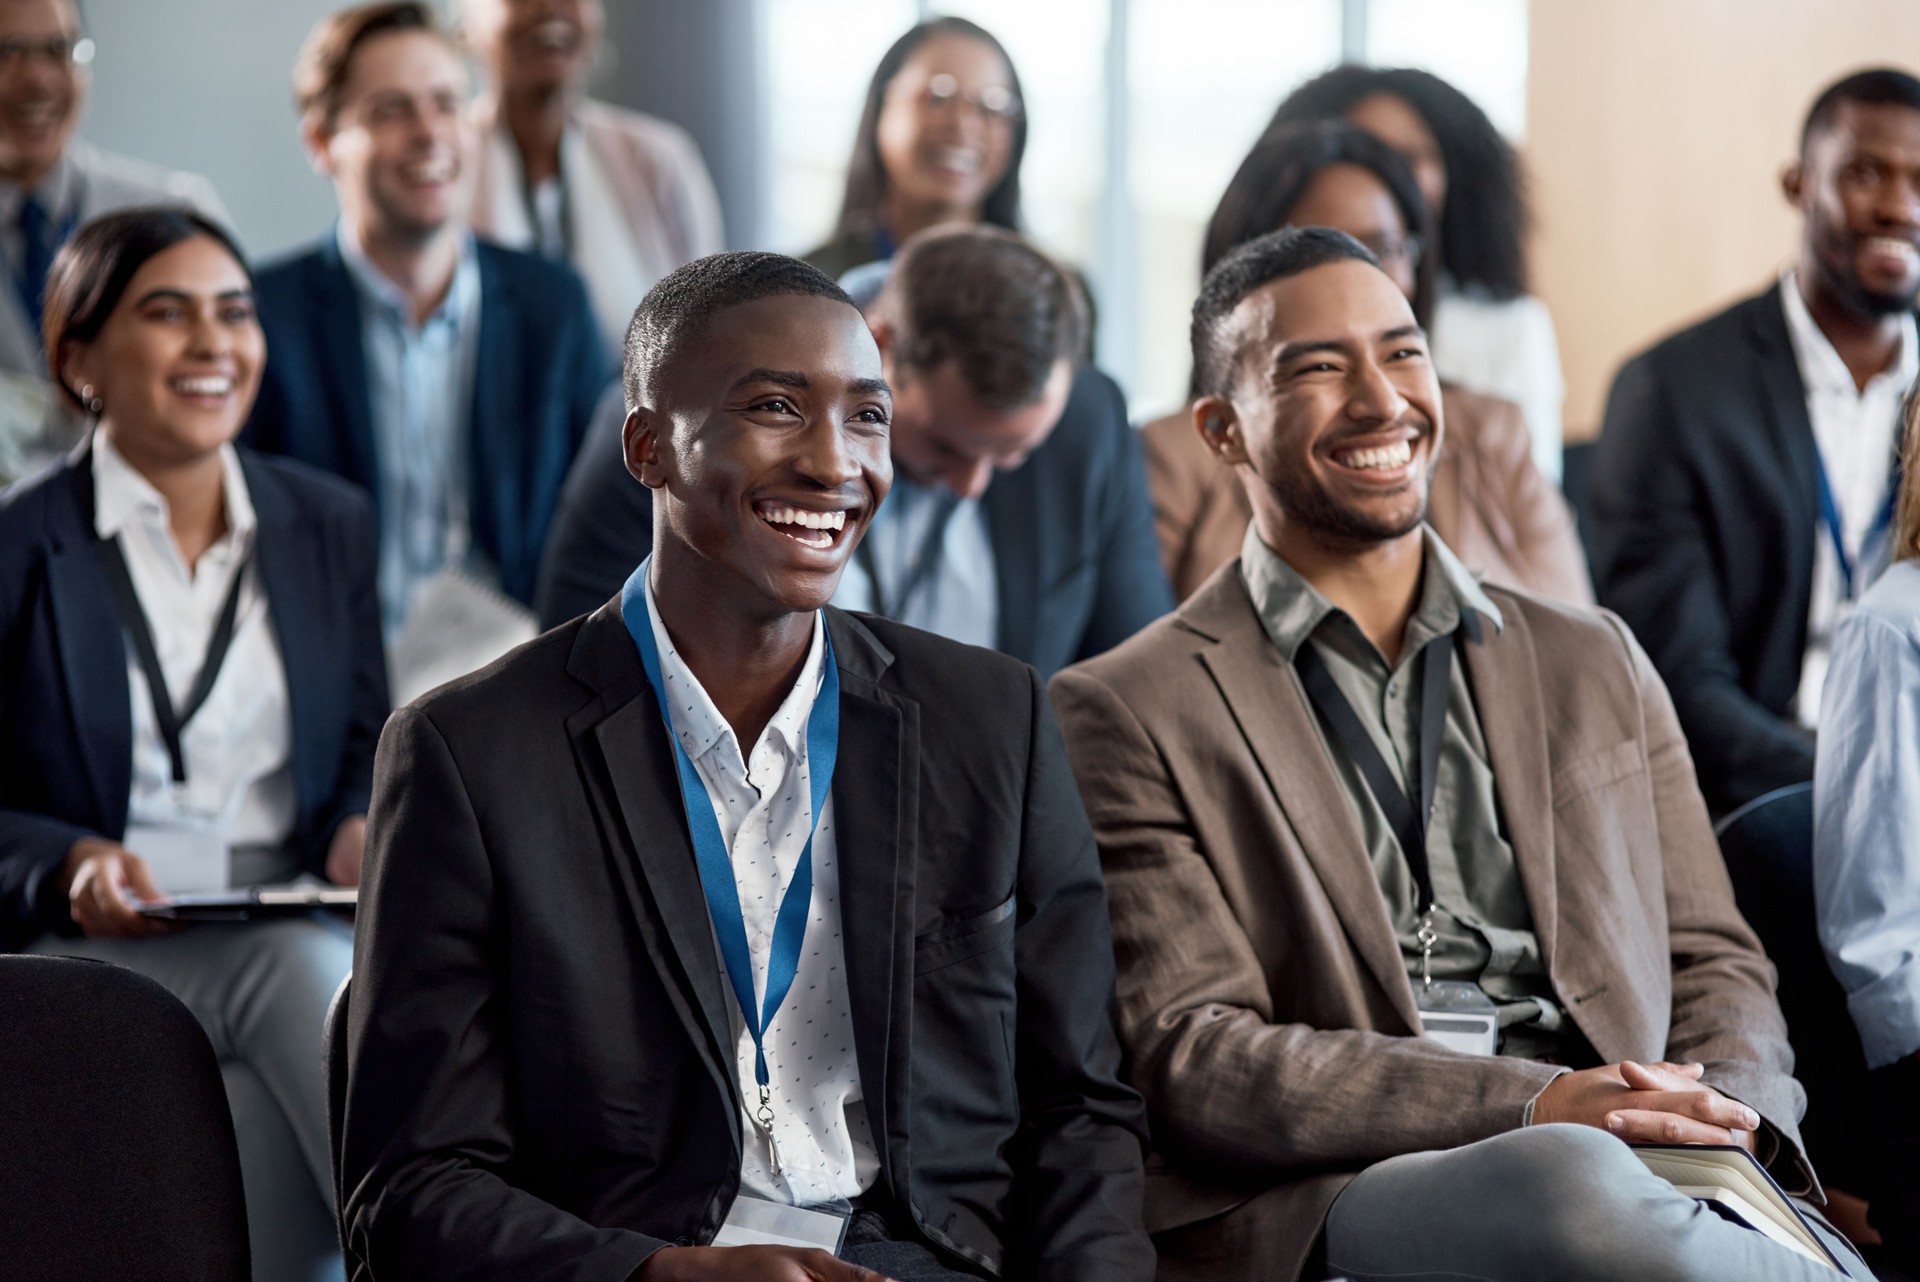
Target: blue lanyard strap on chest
{"x": 1836, "y": 532}
{"x": 710, "y": 849}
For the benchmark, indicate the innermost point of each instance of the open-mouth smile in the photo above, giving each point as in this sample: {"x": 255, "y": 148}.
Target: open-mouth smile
{"x": 808, "y": 527}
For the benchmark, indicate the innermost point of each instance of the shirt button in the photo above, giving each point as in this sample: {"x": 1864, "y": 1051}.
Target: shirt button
{"x": 1393, "y": 687}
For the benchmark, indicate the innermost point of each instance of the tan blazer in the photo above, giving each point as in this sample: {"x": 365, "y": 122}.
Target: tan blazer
{"x": 1264, "y": 1007}
{"x": 1490, "y": 503}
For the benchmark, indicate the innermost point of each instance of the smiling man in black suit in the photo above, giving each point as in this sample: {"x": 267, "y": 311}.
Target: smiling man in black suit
{"x": 901, "y": 1047}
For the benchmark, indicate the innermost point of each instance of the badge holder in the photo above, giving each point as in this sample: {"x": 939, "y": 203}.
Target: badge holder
{"x": 1457, "y": 1015}
{"x": 755, "y": 1221}
{"x": 185, "y": 853}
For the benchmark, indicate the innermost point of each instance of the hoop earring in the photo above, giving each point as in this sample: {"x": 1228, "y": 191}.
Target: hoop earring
{"x": 88, "y": 399}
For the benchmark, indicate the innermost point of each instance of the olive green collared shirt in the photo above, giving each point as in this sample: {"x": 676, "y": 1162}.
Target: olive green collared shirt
{"x": 1484, "y": 924}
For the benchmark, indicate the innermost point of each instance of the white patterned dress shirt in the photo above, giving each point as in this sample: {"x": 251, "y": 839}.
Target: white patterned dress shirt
{"x": 764, "y": 807}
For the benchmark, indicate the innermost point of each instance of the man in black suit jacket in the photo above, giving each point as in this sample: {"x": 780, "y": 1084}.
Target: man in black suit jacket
{"x": 549, "y": 1074}
{"x": 1706, "y": 490}
{"x": 1021, "y": 485}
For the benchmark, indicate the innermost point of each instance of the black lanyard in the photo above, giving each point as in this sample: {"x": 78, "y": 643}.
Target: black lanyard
{"x": 1350, "y": 737}
{"x": 171, "y": 721}
{"x": 920, "y": 569}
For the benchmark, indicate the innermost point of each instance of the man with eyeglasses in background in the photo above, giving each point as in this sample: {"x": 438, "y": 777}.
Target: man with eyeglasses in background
{"x": 51, "y": 182}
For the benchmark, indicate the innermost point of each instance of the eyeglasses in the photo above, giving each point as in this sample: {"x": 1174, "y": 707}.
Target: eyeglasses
{"x": 995, "y": 102}
{"x": 1389, "y": 246}
{"x": 61, "y": 51}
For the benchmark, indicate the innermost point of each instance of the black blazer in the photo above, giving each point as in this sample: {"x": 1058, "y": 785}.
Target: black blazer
{"x": 539, "y": 369}
{"x": 542, "y": 1077}
{"x": 1705, "y": 502}
{"x": 1074, "y": 550}
{"x": 66, "y": 728}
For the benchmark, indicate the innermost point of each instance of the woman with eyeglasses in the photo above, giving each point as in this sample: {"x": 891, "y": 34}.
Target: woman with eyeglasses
{"x": 939, "y": 141}
{"x": 1489, "y": 502}
{"x": 191, "y": 688}
{"x": 1488, "y": 332}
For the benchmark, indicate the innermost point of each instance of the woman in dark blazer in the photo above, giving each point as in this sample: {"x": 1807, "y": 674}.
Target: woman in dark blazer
{"x": 160, "y": 556}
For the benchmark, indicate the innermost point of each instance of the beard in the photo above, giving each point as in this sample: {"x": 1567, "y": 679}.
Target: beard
{"x": 1842, "y": 283}
{"x": 1306, "y": 504}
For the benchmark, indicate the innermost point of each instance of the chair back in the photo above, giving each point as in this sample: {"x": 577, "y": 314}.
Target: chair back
{"x": 336, "y": 1070}
{"x": 117, "y": 1155}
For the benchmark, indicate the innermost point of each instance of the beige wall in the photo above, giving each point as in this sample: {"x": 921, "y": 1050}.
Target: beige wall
{"x": 1656, "y": 131}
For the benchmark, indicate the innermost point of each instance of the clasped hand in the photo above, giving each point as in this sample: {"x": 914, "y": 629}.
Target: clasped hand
{"x": 1648, "y": 1104}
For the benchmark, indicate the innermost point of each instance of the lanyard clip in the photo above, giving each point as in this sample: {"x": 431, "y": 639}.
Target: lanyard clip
{"x": 1428, "y": 937}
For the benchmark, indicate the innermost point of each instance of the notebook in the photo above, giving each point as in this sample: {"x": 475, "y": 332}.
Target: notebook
{"x": 1732, "y": 1179}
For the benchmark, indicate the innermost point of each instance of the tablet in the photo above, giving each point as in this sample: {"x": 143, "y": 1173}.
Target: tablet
{"x": 253, "y": 903}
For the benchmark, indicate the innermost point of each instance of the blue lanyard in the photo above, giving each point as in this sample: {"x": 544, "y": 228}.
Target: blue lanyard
{"x": 710, "y": 849}
{"x": 1830, "y": 517}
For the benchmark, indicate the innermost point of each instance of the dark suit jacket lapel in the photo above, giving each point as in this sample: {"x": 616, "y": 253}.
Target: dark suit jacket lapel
{"x": 1777, "y": 374}
{"x": 628, "y": 765}
{"x": 1506, "y": 694}
{"x": 340, "y": 351}
{"x": 1266, "y": 703}
{"x": 876, "y": 812}
{"x": 293, "y": 576}
{"x": 499, "y": 443}
{"x": 93, "y": 659}
{"x": 1011, "y": 509}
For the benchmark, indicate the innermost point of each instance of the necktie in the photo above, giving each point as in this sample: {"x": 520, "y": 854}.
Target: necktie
{"x": 36, "y": 257}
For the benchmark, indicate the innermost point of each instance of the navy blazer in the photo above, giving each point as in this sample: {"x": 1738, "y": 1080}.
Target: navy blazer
{"x": 1705, "y": 502}
{"x": 1074, "y": 551}
{"x": 66, "y": 720}
{"x": 540, "y": 368}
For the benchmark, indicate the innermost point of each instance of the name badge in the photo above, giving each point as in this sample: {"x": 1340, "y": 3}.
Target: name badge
{"x": 184, "y": 855}
{"x": 1458, "y": 1016}
{"x": 754, "y": 1221}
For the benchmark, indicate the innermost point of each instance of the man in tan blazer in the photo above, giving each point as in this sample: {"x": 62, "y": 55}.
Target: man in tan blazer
{"x": 1272, "y": 926}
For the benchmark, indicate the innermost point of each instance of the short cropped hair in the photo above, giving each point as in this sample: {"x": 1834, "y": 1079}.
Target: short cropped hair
{"x": 91, "y": 273}
{"x": 1258, "y": 263}
{"x": 677, "y": 309}
{"x": 325, "y": 64}
{"x": 983, "y": 298}
{"x": 1875, "y": 87}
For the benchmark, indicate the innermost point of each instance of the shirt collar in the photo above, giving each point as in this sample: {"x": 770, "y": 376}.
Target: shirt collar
{"x": 1821, "y": 369}
{"x": 1292, "y": 609}
{"x": 377, "y": 291}
{"x": 698, "y": 722}
{"x": 121, "y": 495}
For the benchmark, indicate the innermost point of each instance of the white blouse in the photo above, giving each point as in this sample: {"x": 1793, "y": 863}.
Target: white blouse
{"x": 1505, "y": 348}
{"x": 239, "y": 746}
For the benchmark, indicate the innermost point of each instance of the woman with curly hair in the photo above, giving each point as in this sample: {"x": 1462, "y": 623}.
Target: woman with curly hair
{"x": 1488, "y": 332}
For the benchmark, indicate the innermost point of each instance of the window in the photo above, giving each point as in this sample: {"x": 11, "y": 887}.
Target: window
{"x": 1139, "y": 111}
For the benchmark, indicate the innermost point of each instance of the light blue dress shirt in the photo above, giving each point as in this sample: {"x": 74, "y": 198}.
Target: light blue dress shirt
{"x": 959, "y": 597}
{"x": 1866, "y": 813}
{"x": 420, "y": 389}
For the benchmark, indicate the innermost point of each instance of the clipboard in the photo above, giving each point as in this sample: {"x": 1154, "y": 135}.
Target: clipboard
{"x": 254, "y": 903}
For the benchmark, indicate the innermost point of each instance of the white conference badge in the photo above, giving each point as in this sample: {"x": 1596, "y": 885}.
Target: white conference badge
{"x": 754, "y": 1221}
{"x": 183, "y": 855}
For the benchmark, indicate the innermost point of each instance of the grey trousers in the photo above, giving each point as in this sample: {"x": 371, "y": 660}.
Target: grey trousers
{"x": 1569, "y": 1203}
{"x": 260, "y": 989}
